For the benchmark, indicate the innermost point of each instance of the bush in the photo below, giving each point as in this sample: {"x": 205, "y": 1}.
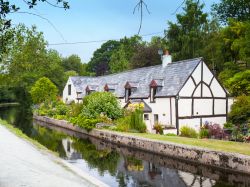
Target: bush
{"x": 188, "y": 132}
{"x": 84, "y": 122}
{"x": 75, "y": 109}
{"x": 159, "y": 128}
{"x": 204, "y": 133}
{"x": 215, "y": 131}
{"x": 43, "y": 91}
{"x": 101, "y": 102}
{"x": 136, "y": 121}
{"x": 123, "y": 124}
{"x": 240, "y": 112}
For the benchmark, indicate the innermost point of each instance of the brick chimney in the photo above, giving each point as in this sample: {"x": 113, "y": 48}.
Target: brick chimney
{"x": 166, "y": 59}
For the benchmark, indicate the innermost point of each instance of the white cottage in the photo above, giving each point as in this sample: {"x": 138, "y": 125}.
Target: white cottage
{"x": 174, "y": 93}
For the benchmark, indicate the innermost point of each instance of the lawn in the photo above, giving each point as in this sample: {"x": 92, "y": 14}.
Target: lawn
{"x": 219, "y": 145}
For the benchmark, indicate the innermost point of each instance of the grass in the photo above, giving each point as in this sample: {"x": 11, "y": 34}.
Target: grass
{"x": 20, "y": 134}
{"x": 219, "y": 145}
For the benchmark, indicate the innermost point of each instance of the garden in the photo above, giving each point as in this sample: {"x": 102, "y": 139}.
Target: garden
{"x": 103, "y": 110}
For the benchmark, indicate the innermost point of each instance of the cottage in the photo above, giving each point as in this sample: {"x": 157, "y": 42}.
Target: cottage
{"x": 174, "y": 93}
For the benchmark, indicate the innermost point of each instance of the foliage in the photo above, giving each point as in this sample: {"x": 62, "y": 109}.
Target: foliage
{"x": 122, "y": 124}
{"x": 73, "y": 63}
{"x": 186, "y": 37}
{"x": 239, "y": 10}
{"x": 101, "y": 102}
{"x": 228, "y": 125}
{"x": 75, "y": 109}
{"x": 99, "y": 63}
{"x": 136, "y": 119}
{"x": 189, "y": 132}
{"x": 43, "y": 91}
{"x": 214, "y": 130}
{"x": 240, "y": 112}
{"x": 204, "y": 133}
{"x": 84, "y": 122}
{"x": 146, "y": 56}
{"x": 121, "y": 59}
{"x": 239, "y": 84}
{"x": 159, "y": 128}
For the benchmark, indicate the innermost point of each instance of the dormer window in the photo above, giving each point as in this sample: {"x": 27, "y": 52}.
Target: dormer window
{"x": 110, "y": 88}
{"x": 91, "y": 88}
{"x": 130, "y": 88}
{"x": 155, "y": 86}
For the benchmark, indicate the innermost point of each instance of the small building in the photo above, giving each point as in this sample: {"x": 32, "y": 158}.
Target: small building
{"x": 174, "y": 93}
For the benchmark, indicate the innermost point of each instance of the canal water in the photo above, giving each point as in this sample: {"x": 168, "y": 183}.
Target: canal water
{"x": 116, "y": 165}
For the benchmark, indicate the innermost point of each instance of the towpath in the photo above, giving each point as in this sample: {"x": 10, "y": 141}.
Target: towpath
{"x": 22, "y": 164}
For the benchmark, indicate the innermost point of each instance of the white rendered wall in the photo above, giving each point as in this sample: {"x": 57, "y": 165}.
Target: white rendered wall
{"x": 187, "y": 89}
{"x": 203, "y": 107}
{"x": 69, "y": 98}
{"x": 161, "y": 106}
{"x": 197, "y": 74}
{"x": 185, "y": 107}
{"x": 207, "y": 74}
{"x": 220, "y": 106}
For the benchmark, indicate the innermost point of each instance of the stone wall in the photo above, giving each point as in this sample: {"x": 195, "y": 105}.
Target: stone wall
{"x": 229, "y": 161}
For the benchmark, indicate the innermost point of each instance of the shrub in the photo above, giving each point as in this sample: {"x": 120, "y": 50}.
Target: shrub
{"x": 43, "y": 91}
{"x": 84, "y": 122}
{"x": 240, "y": 112}
{"x": 204, "y": 133}
{"x": 159, "y": 128}
{"x": 188, "y": 132}
{"x": 101, "y": 102}
{"x": 75, "y": 109}
{"x": 136, "y": 121}
{"x": 215, "y": 131}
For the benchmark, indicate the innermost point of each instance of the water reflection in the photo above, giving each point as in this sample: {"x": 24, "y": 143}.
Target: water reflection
{"x": 120, "y": 166}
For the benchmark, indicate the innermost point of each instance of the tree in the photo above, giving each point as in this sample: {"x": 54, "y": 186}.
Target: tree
{"x": 101, "y": 102}
{"x": 146, "y": 55}
{"x": 186, "y": 37}
{"x": 73, "y": 63}
{"x": 240, "y": 112}
{"x": 239, "y": 84}
{"x": 99, "y": 63}
{"x": 43, "y": 91}
{"x": 237, "y": 9}
{"x": 121, "y": 58}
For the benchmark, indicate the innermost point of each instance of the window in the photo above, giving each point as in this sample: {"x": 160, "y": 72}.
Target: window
{"x": 69, "y": 89}
{"x": 127, "y": 94}
{"x": 152, "y": 94}
{"x": 146, "y": 117}
{"x": 156, "y": 118}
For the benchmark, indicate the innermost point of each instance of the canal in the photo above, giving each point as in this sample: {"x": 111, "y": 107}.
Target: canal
{"x": 116, "y": 165}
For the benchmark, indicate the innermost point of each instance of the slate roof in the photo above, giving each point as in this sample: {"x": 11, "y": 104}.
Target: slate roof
{"x": 172, "y": 77}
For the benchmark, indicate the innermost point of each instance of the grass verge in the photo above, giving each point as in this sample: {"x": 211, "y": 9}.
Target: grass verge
{"x": 218, "y": 145}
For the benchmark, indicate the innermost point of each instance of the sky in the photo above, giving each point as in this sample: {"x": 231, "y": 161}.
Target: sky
{"x": 97, "y": 20}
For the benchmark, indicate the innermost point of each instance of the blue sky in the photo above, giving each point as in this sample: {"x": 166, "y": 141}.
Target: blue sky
{"x": 91, "y": 20}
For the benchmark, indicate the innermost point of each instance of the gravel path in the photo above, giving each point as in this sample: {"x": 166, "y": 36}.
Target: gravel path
{"x": 22, "y": 164}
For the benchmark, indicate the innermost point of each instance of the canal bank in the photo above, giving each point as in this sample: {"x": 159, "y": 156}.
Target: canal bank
{"x": 25, "y": 164}
{"x": 227, "y": 161}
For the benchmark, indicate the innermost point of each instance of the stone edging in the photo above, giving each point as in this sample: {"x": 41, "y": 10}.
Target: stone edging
{"x": 229, "y": 161}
